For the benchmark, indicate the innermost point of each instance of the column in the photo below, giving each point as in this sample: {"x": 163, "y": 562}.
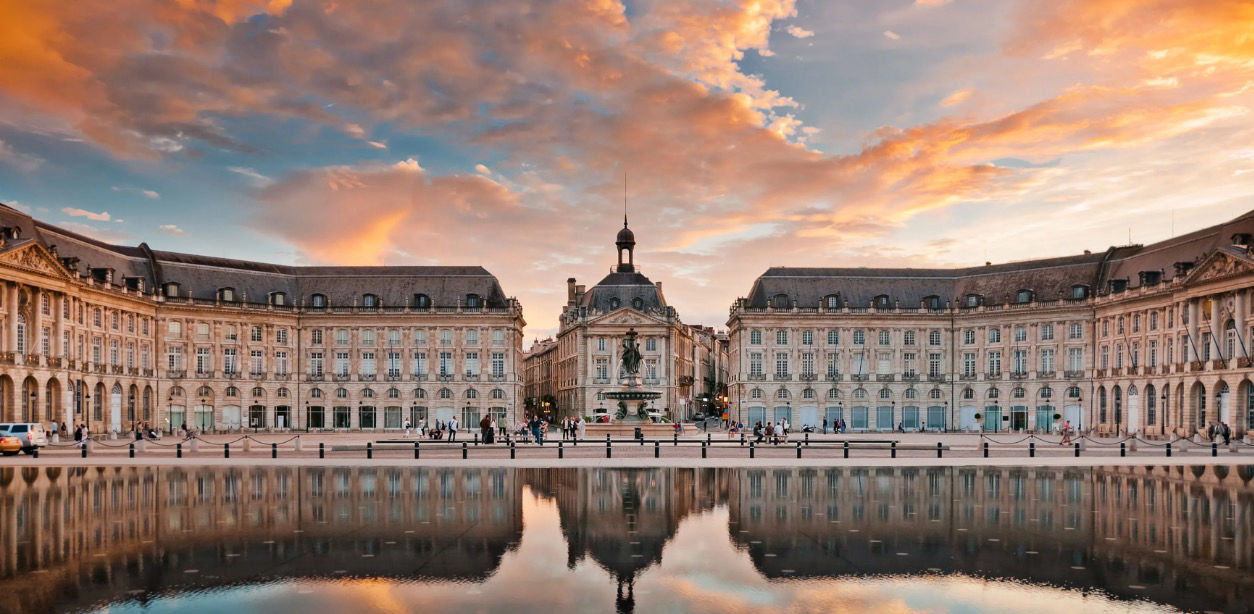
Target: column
{"x": 13, "y": 291}
{"x": 1216, "y": 330}
{"x": 1239, "y": 307}
{"x": 35, "y": 332}
{"x": 1192, "y": 341}
{"x": 58, "y": 305}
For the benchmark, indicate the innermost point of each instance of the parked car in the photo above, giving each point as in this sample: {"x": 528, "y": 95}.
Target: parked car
{"x": 10, "y": 445}
{"x": 31, "y": 434}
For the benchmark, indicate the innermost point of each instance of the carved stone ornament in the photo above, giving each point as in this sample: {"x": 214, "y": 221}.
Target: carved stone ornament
{"x": 33, "y": 258}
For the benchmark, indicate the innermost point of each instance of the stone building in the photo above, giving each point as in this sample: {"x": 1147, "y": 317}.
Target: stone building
{"x": 1151, "y": 339}
{"x": 590, "y": 336}
{"x": 111, "y": 335}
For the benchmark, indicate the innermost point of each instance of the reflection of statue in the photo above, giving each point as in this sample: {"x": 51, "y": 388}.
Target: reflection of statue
{"x": 631, "y": 353}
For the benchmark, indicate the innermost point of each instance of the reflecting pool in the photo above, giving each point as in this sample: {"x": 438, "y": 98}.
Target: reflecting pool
{"x": 400, "y": 539}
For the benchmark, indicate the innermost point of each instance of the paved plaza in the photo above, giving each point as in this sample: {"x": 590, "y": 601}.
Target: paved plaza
{"x": 881, "y": 449}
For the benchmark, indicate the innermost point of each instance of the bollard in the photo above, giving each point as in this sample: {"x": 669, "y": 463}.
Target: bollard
{"x": 657, "y": 449}
{"x": 465, "y": 449}
{"x": 608, "y": 447}
{"x": 559, "y": 450}
{"x": 84, "y": 449}
{"x": 798, "y": 449}
{"x": 369, "y": 449}
{"x": 274, "y": 450}
{"x": 707, "y": 437}
{"x": 226, "y": 450}
{"x": 607, "y": 439}
{"x": 846, "y": 449}
{"x": 986, "y": 449}
{"x": 1123, "y": 449}
{"x": 132, "y": 450}
{"x": 1168, "y": 449}
{"x": 511, "y": 450}
{"x": 676, "y": 438}
{"x": 893, "y": 449}
{"x": 807, "y": 438}
{"x": 751, "y": 449}
{"x": 475, "y": 438}
{"x": 703, "y": 447}
{"x": 1031, "y": 449}
{"x": 1077, "y": 449}
{"x": 742, "y": 439}
{"x": 940, "y": 450}
{"x": 1214, "y": 449}
{"x": 35, "y": 452}
{"x": 416, "y": 452}
{"x": 322, "y": 450}
{"x": 178, "y": 450}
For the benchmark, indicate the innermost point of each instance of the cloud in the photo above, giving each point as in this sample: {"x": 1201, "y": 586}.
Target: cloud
{"x": 890, "y": 35}
{"x": 100, "y": 234}
{"x": 24, "y": 162}
{"x": 255, "y": 177}
{"x": 957, "y": 97}
{"x": 931, "y": 2}
{"x": 799, "y": 32}
{"x": 377, "y": 144}
{"x": 152, "y": 194}
{"x": 482, "y": 170}
{"x": 171, "y": 229}
{"x": 103, "y": 216}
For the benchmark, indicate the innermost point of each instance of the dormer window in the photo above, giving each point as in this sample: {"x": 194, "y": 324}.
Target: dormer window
{"x": 881, "y": 302}
{"x": 1118, "y": 285}
{"x": 1024, "y": 297}
{"x": 318, "y": 301}
{"x": 472, "y": 301}
{"x": 932, "y": 302}
{"x": 615, "y": 303}
{"x": 226, "y": 295}
{"x": 369, "y": 301}
{"x": 780, "y": 301}
{"x": 1079, "y": 292}
{"x": 638, "y": 303}
{"x": 972, "y": 300}
{"x": 832, "y": 301}
{"x": 278, "y": 299}
{"x": 1151, "y": 278}
{"x": 422, "y": 301}
{"x": 171, "y": 289}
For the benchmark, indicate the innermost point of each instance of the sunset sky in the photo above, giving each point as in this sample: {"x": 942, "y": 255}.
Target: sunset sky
{"x": 751, "y": 133}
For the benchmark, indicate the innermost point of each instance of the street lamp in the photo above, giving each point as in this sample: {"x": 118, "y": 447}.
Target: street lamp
{"x": 1162, "y": 420}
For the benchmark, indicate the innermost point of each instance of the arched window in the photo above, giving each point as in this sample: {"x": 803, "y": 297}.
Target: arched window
{"x": 341, "y": 393}
{"x": 833, "y": 393}
{"x": 886, "y": 393}
{"x": 881, "y": 302}
{"x": 808, "y": 393}
{"x": 932, "y": 302}
{"x": 171, "y": 289}
{"x": 638, "y": 303}
{"x": 232, "y": 391}
{"x": 445, "y": 393}
{"x": 934, "y": 393}
{"x": 968, "y": 393}
{"x": 369, "y": 301}
{"x": 21, "y": 334}
{"x": 367, "y": 394}
{"x": 1230, "y": 335}
{"x": 206, "y": 391}
{"x": 471, "y": 393}
{"x": 756, "y": 393}
{"x": 993, "y": 393}
{"x": 394, "y": 393}
{"x": 282, "y": 393}
{"x": 1018, "y": 392}
{"x": 315, "y": 393}
{"x": 497, "y": 393}
{"x": 832, "y": 301}
{"x": 318, "y": 301}
{"x": 1079, "y": 292}
{"x": 781, "y": 393}
{"x": 1047, "y": 392}
{"x": 860, "y": 393}
{"x": 419, "y": 393}
{"x": 1101, "y": 404}
{"x": 258, "y": 392}
{"x": 615, "y": 303}
{"x": 472, "y": 301}
{"x": 911, "y": 393}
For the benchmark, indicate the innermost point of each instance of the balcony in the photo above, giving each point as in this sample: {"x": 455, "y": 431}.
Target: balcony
{"x": 1045, "y": 374}
{"x": 496, "y": 378}
{"x": 1243, "y": 362}
{"x": 204, "y": 374}
{"x": 992, "y": 376}
{"x": 420, "y": 377}
{"x": 1217, "y": 364}
{"x": 1164, "y": 369}
{"x": 176, "y": 374}
{"x": 884, "y": 377}
{"x": 1018, "y": 375}
{"x": 7, "y": 358}
{"x": 316, "y": 377}
{"x": 652, "y": 381}
{"x": 472, "y": 377}
{"x": 936, "y": 378}
{"x": 341, "y": 377}
{"x": 393, "y": 376}
{"x": 132, "y": 371}
{"x": 257, "y": 375}
{"x": 756, "y": 377}
{"x": 909, "y": 377}
{"x": 808, "y": 377}
{"x": 834, "y": 377}
{"x": 859, "y": 378}
{"x": 782, "y": 377}
{"x": 1195, "y": 366}
{"x": 367, "y": 377}
{"x": 1073, "y": 374}
{"x": 967, "y": 377}
{"x": 601, "y": 380}
{"x": 1099, "y": 373}
{"x": 283, "y": 377}
{"x": 56, "y": 362}
{"x": 116, "y": 369}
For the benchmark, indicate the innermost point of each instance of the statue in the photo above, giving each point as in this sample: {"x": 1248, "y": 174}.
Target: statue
{"x": 631, "y": 353}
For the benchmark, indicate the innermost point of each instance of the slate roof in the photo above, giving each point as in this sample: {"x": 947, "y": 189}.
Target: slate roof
{"x": 203, "y": 276}
{"x": 624, "y": 287}
{"x": 1048, "y": 279}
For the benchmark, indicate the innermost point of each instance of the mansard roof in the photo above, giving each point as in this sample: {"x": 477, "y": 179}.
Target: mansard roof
{"x": 624, "y": 288}
{"x": 1046, "y": 279}
{"x": 203, "y": 276}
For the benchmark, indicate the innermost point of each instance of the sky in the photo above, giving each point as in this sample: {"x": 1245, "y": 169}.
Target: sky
{"x": 746, "y": 133}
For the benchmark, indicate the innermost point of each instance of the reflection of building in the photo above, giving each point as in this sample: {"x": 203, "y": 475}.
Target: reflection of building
{"x": 1148, "y": 339}
{"x": 589, "y": 341}
{"x": 109, "y": 335}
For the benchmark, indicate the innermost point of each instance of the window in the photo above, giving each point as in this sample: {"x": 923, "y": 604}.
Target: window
{"x": 780, "y": 301}
{"x": 446, "y": 337}
{"x": 911, "y": 393}
{"x": 1153, "y": 353}
{"x": 1105, "y": 360}
{"x": 498, "y": 337}
{"x": 1047, "y": 360}
{"x": 1018, "y": 392}
{"x": 934, "y": 337}
{"x": 781, "y": 337}
{"x": 341, "y": 336}
{"x": 1153, "y": 320}
{"x": 281, "y": 364}
{"x": 278, "y": 299}
{"x": 203, "y": 363}
{"x": 934, "y": 364}
{"x": 174, "y": 358}
{"x": 882, "y": 302}
{"x": 280, "y": 336}
{"x": 1024, "y": 296}
{"x": 254, "y": 334}
{"x": 498, "y": 364}
{"x": 781, "y": 363}
{"x": 968, "y": 393}
{"x": 994, "y": 334}
{"x": 256, "y": 366}
{"x": 1047, "y": 332}
{"x": 886, "y": 393}
{"x": 472, "y": 336}
{"x": 1105, "y": 328}
{"x": 832, "y": 301}
{"x": 472, "y": 301}
{"x": 369, "y": 301}
{"x": 446, "y": 364}
{"x": 756, "y": 393}
{"x": 932, "y": 302}
{"x": 1136, "y": 322}
{"x": 755, "y": 363}
{"x": 174, "y": 328}
{"x": 808, "y": 393}
{"x": 315, "y": 336}
{"x": 833, "y": 367}
{"x": 367, "y": 336}
{"x": 1075, "y": 359}
{"x": 341, "y": 364}
{"x": 231, "y": 334}
{"x": 602, "y": 369}
{"x": 368, "y": 365}
{"x": 315, "y": 364}
{"x": 908, "y": 337}
{"x": 472, "y": 364}
{"x": 968, "y": 336}
{"x": 650, "y": 369}
{"x": 1021, "y": 361}
{"x": 650, "y": 344}
{"x": 807, "y": 363}
{"x": 755, "y": 337}
{"x": 229, "y": 360}
{"x": 226, "y": 294}
{"x": 859, "y": 393}
{"x": 993, "y": 393}
{"x": 1075, "y": 331}
{"x": 420, "y": 364}
{"x": 601, "y": 345}
{"x": 318, "y": 301}
{"x": 1021, "y": 334}
{"x": 833, "y": 393}
{"x": 833, "y": 337}
{"x": 972, "y": 300}
{"x": 1079, "y": 292}
{"x": 907, "y": 360}
{"x": 885, "y": 337}
{"x": 422, "y": 301}
{"x": 994, "y": 364}
{"x": 859, "y": 337}
{"x": 807, "y": 337}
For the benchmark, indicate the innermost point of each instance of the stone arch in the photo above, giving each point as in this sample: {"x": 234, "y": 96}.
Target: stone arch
{"x": 8, "y": 408}
{"x": 30, "y": 399}
{"x": 1197, "y": 406}
{"x": 53, "y": 400}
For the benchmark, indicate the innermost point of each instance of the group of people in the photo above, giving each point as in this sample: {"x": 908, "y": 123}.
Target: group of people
{"x": 143, "y": 431}
{"x": 573, "y": 428}
{"x": 440, "y": 429}
{"x": 775, "y": 433}
{"x": 1219, "y": 429}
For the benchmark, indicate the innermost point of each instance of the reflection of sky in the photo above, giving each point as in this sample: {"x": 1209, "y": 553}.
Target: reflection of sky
{"x": 701, "y": 571}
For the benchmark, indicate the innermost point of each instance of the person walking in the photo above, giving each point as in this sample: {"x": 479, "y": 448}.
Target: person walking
{"x": 824, "y": 425}
{"x": 580, "y": 428}
{"x": 407, "y": 428}
{"x": 537, "y": 429}
{"x": 1066, "y": 433}
{"x": 485, "y": 429}
{"x": 452, "y": 428}
{"x": 1227, "y": 432}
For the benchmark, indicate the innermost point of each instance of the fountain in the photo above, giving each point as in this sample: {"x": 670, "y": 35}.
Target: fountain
{"x": 626, "y": 421}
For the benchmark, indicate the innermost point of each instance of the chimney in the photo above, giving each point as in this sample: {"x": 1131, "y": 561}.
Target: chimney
{"x": 570, "y": 290}
{"x": 659, "y": 286}
{"x": 579, "y": 290}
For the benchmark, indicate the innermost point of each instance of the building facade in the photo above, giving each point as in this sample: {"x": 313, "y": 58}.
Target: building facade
{"x": 590, "y": 336}
{"x": 1152, "y": 340}
{"x": 110, "y": 336}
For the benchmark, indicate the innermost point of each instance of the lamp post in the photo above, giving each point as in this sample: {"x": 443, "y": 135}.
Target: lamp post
{"x": 945, "y": 412}
{"x": 1162, "y": 421}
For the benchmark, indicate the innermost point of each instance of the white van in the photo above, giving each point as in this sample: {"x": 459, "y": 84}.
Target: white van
{"x": 31, "y": 434}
